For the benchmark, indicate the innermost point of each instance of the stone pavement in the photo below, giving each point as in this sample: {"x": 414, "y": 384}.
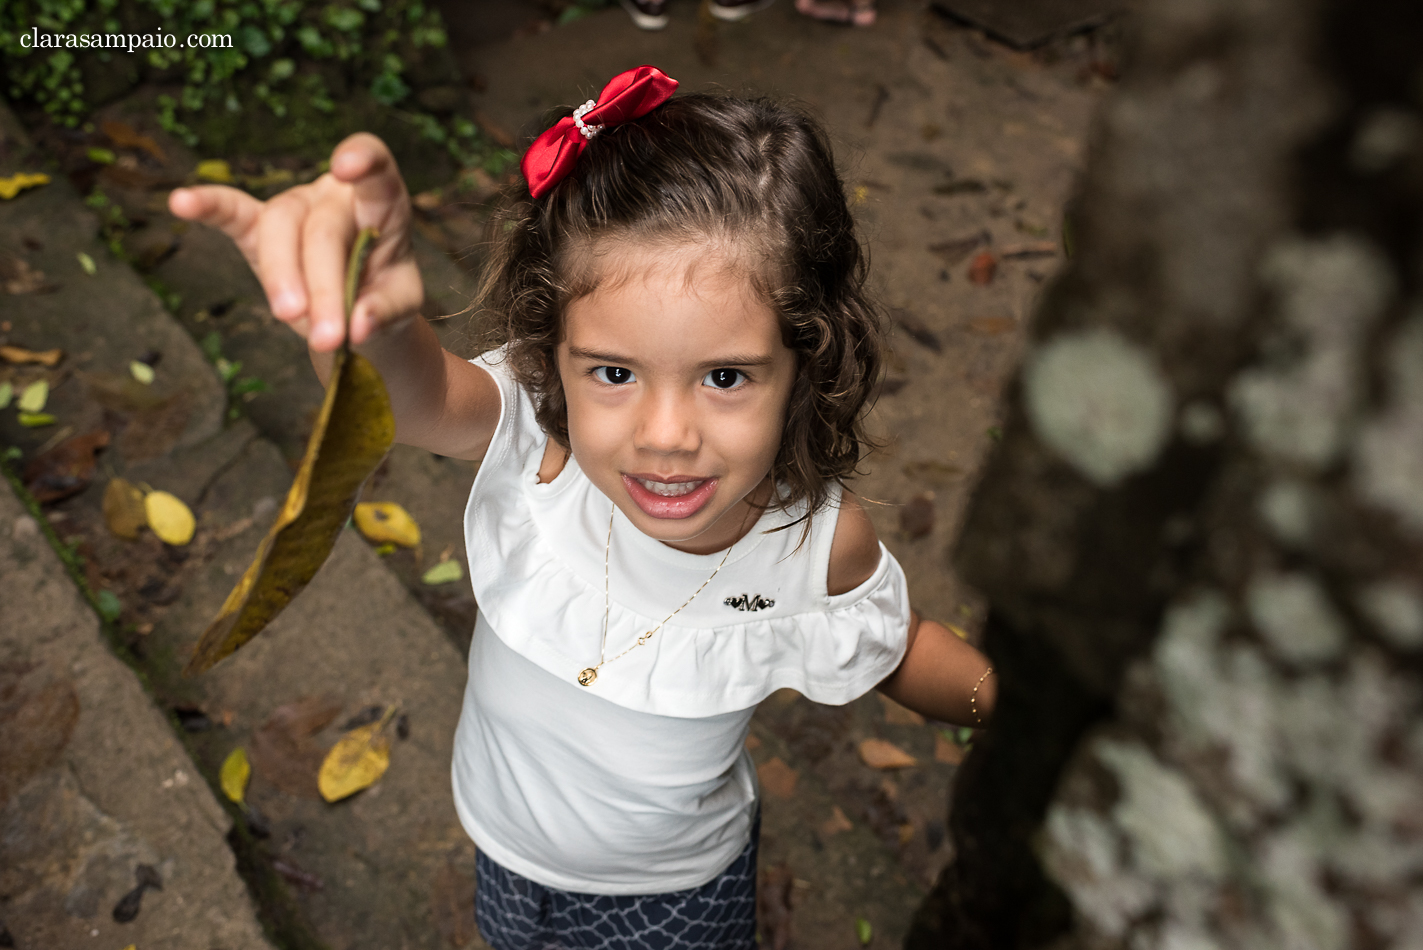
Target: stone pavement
{"x": 95, "y": 783}
{"x": 948, "y": 142}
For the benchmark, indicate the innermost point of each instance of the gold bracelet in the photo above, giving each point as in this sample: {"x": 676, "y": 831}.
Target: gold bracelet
{"x": 973, "y": 697}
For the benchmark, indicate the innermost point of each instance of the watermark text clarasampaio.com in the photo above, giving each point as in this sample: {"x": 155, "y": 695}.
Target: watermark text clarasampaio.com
{"x": 127, "y": 42}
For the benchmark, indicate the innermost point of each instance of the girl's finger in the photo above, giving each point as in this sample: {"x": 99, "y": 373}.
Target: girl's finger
{"x": 365, "y": 163}
{"x": 326, "y": 241}
{"x": 279, "y": 265}
{"x": 393, "y": 295}
{"x": 231, "y": 211}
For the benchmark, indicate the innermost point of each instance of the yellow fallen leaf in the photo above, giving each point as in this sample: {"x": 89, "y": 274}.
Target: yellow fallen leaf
{"x": 443, "y": 573}
{"x": 34, "y": 420}
{"x": 959, "y": 632}
{"x": 18, "y": 354}
{"x": 215, "y": 170}
{"x": 12, "y": 186}
{"x": 86, "y": 262}
{"x": 878, "y": 754}
{"x": 385, "y": 522}
{"x": 142, "y": 372}
{"x": 169, "y": 518}
{"x": 234, "y": 775}
{"x": 356, "y": 762}
{"x": 124, "y": 509}
{"x": 352, "y": 433}
{"x": 34, "y": 396}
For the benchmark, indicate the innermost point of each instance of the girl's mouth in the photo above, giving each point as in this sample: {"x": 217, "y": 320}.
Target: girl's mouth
{"x": 680, "y": 499}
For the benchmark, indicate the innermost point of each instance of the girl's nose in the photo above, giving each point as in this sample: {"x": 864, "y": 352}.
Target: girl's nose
{"x": 668, "y": 425}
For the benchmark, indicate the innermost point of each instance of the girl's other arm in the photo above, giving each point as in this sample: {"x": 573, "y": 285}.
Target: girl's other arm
{"x": 939, "y": 671}
{"x": 297, "y": 244}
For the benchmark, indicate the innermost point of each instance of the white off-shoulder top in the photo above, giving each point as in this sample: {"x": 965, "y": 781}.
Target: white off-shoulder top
{"x": 639, "y": 783}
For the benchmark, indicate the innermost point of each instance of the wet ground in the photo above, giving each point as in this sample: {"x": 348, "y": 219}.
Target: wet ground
{"x": 959, "y": 153}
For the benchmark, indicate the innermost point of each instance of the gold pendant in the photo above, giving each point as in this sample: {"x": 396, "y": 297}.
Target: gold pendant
{"x": 587, "y": 677}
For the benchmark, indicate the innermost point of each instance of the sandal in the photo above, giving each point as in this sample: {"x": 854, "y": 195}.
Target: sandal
{"x": 847, "y": 12}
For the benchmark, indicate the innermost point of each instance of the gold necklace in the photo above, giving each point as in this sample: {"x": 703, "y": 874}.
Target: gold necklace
{"x": 589, "y": 675}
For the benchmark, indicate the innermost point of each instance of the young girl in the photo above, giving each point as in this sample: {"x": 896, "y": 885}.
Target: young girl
{"x": 658, "y": 537}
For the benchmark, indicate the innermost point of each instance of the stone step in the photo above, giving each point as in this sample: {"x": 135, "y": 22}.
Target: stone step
{"x": 94, "y": 784}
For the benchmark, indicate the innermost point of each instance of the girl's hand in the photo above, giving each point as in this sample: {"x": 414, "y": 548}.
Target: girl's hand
{"x": 297, "y": 243}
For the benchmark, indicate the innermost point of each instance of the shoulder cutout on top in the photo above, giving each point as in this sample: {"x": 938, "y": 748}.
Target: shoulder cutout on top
{"x": 854, "y": 552}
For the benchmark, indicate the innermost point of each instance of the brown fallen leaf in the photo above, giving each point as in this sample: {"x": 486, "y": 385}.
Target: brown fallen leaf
{"x": 353, "y": 432}
{"x": 956, "y": 249}
{"x": 936, "y": 473}
{"x": 281, "y": 749}
{"x": 993, "y": 326}
{"x": 752, "y": 743}
{"x": 917, "y": 329}
{"x": 124, "y": 511}
{"x": 294, "y": 875}
{"x": 982, "y": 268}
{"x": 775, "y": 899}
{"x": 18, "y": 277}
{"x": 20, "y": 355}
{"x": 879, "y": 754}
{"x": 836, "y": 823}
{"x": 65, "y": 470}
{"x": 949, "y": 752}
{"x": 897, "y": 715}
{"x": 1028, "y": 250}
{"x": 916, "y": 519}
{"x": 777, "y": 778}
{"x": 125, "y": 136}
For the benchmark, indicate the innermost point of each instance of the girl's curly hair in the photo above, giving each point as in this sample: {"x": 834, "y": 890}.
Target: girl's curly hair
{"x": 752, "y": 175}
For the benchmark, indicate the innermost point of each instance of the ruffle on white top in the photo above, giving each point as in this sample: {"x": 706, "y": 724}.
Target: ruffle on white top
{"x": 536, "y": 557}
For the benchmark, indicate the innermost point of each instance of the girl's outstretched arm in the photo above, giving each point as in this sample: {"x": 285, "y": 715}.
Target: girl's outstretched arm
{"x": 297, "y": 244}
{"x": 939, "y": 672}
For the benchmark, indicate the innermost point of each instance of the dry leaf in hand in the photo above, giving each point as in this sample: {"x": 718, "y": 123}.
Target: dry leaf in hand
{"x": 356, "y": 762}
{"x": 124, "y": 510}
{"x": 234, "y": 774}
{"x": 66, "y": 469}
{"x": 169, "y": 518}
{"x": 281, "y": 748}
{"x": 777, "y": 778}
{"x": 20, "y": 355}
{"x": 879, "y": 754}
{"x": 774, "y": 902}
{"x": 385, "y": 522}
{"x": 353, "y": 431}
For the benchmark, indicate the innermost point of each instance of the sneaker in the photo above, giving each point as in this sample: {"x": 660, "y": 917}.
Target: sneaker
{"x": 647, "y": 14}
{"x": 733, "y": 10}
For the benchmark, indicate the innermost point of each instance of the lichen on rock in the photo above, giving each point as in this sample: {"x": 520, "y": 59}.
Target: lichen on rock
{"x": 1294, "y": 615}
{"x": 1297, "y": 404}
{"x": 1100, "y": 402}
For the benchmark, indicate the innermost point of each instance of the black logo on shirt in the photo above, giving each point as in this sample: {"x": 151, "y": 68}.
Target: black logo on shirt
{"x": 749, "y": 602}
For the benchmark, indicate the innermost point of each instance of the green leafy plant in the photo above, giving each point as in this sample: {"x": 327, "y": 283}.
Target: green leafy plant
{"x": 227, "y": 56}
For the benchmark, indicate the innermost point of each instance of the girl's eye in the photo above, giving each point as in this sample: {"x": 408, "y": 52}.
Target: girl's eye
{"x": 613, "y": 375}
{"x": 724, "y": 378}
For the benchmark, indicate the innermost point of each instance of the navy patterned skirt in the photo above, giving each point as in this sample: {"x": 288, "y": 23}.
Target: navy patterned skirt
{"x": 514, "y": 913}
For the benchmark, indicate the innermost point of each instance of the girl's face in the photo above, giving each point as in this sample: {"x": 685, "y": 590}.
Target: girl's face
{"x": 677, "y": 383}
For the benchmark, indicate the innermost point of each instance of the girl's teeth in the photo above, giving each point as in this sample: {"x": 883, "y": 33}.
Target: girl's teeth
{"x": 669, "y": 489}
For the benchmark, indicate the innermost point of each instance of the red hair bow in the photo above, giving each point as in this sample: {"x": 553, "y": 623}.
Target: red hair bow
{"x": 628, "y": 95}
